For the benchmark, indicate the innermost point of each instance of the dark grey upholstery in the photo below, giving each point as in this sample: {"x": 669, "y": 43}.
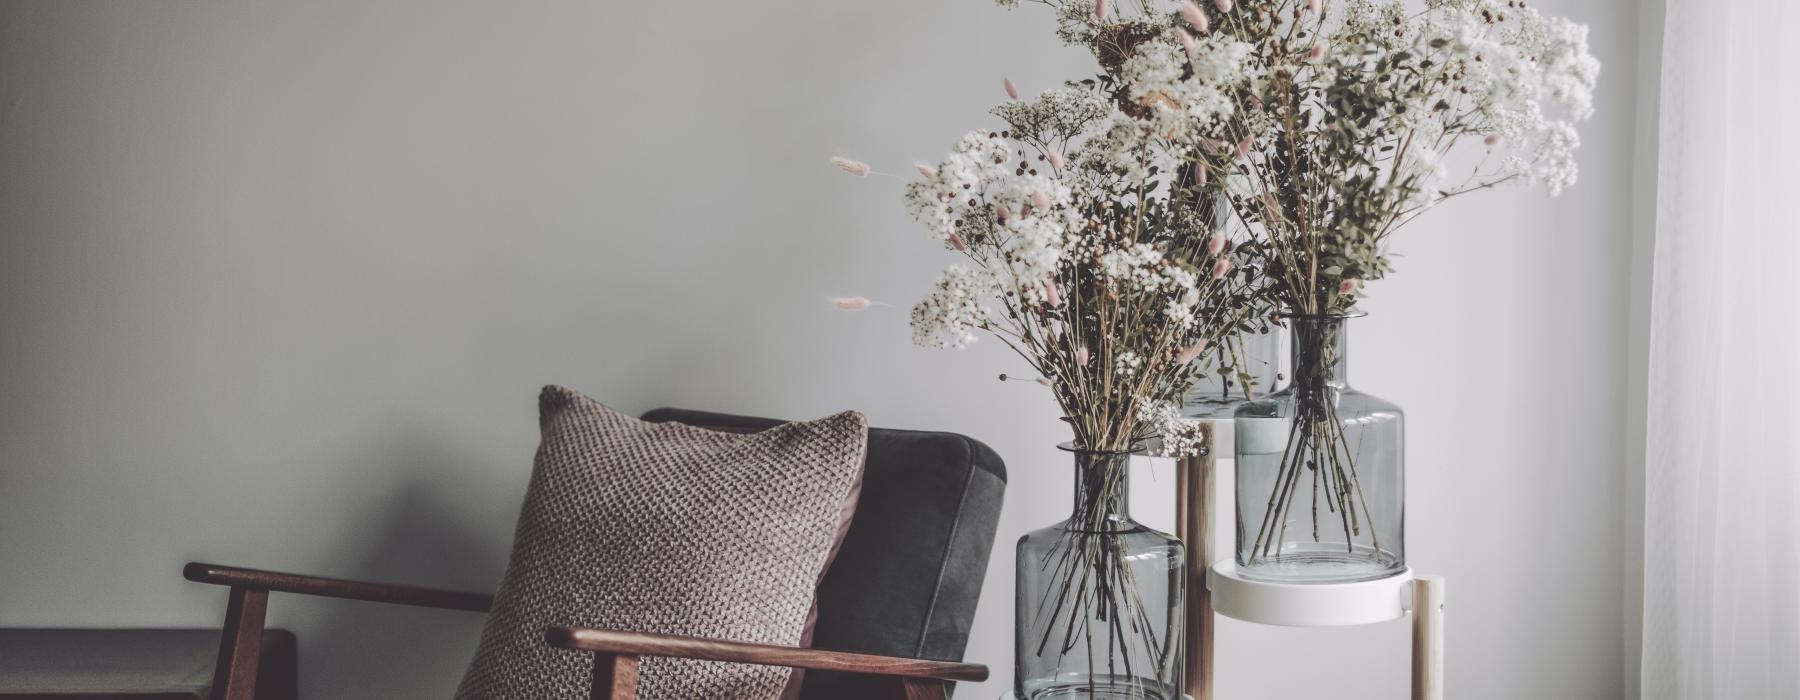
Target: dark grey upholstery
{"x": 907, "y": 577}
{"x": 165, "y": 664}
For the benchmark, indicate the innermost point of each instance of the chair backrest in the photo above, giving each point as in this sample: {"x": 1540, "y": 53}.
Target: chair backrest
{"x": 909, "y": 572}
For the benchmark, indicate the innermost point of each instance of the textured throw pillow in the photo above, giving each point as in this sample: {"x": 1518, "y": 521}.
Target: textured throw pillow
{"x": 671, "y": 529}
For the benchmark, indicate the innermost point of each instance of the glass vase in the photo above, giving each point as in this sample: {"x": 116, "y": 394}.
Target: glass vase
{"x": 1242, "y": 367}
{"x": 1321, "y": 482}
{"x": 1100, "y": 597}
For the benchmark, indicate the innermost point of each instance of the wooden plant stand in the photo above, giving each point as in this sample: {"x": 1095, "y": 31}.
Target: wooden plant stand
{"x": 1214, "y": 587}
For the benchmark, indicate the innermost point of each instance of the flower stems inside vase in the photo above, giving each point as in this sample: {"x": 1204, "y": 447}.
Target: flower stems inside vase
{"x": 1100, "y": 597}
{"x": 1320, "y": 476}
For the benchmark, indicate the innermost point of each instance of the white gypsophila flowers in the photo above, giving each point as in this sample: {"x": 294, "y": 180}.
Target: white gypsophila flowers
{"x": 1137, "y": 265}
{"x": 1553, "y": 49}
{"x": 1423, "y": 166}
{"x": 1221, "y": 60}
{"x": 1186, "y": 94}
{"x": 949, "y": 316}
{"x": 1015, "y": 222}
{"x": 1033, "y": 219}
{"x": 1127, "y": 363}
{"x": 1507, "y": 63}
{"x": 1122, "y": 151}
{"x": 1057, "y": 115}
{"x": 1181, "y": 437}
{"x": 1552, "y": 162}
{"x": 1181, "y": 315}
{"x": 1382, "y": 25}
{"x": 953, "y": 198}
{"x": 1142, "y": 269}
{"x": 1493, "y": 71}
{"x": 1076, "y": 24}
{"x": 1017, "y": 219}
{"x": 1570, "y": 72}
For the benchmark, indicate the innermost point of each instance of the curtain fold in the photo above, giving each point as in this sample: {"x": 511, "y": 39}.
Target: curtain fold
{"x": 1721, "y": 615}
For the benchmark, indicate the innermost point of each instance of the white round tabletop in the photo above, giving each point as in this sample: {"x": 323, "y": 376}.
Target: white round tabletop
{"x": 1308, "y": 604}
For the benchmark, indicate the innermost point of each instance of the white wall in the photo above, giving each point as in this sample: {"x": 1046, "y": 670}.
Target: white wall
{"x": 280, "y": 283}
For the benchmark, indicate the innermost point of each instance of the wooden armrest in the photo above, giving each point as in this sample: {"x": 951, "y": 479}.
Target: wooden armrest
{"x": 336, "y": 588}
{"x": 637, "y": 643}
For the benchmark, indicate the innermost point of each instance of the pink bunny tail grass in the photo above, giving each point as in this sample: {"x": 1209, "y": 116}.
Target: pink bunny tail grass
{"x": 1056, "y": 159}
{"x": 1243, "y": 147}
{"x": 1101, "y": 8}
{"x": 1052, "y": 294}
{"x": 1272, "y": 206}
{"x": 1192, "y": 352}
{"x": 1000, "y": 211}
{"x": 854, "y": 167}
{"x": 1223, "y": 5}
{"x": 1216, "y": 244}
{"x": 1082, "y": 356}
{"x": 1196, "y": 17}
{"x": 1011, "y": 89}
{"x": 1186, "y": 39}
{"x": 925, "y": 170}
{"x": 1349, "y": 286}
{"x": 1492, "y": 140}
{"x": 1045, "y": 381}
{"x": 1041, "y": 200}
{"x": 1199, "y": 175}
{"x": 1317, "y": 51}
{"x": 1312, "y": 5}
{"x": 1220, "y": 268}
{"x": 958, "y": 243}
{"x": 855, "y": 303}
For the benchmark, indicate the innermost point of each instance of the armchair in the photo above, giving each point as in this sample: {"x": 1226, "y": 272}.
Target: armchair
{"x": 894, "y": 609}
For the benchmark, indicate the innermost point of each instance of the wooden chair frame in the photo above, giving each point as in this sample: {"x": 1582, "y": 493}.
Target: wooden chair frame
{"x": 616, "y": 654}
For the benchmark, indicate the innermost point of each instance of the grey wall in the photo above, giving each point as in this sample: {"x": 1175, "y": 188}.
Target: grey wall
{"x": 279, "y": 283}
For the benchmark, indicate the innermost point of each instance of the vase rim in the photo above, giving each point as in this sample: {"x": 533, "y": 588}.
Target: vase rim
{"x": 1353, "y": 313}
{"x": 1070, "y": 446}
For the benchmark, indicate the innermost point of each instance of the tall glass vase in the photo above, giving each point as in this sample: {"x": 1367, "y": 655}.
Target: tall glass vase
{"x": 1100, "y": 597}
{"x": 1243, "y": 367}
{"x": 1321, "y": 482}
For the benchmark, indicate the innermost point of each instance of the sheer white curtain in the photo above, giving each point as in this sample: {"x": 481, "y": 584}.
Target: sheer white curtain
{"x": 1722, "y": 480}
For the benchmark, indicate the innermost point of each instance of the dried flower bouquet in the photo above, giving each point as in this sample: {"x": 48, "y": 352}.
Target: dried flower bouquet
{"x": 1227, "y": 162}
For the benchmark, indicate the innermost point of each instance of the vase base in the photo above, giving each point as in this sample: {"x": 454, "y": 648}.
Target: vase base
{"x": 1010, "y": 695}
{"x": 1311, "y": 563}
{"x": 1099, "y": 687}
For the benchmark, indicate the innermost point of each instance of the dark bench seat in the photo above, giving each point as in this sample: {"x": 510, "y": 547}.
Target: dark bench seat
{"x": 69, "y": 664}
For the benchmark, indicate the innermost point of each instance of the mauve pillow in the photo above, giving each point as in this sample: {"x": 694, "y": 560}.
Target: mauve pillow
{"x": 671, "y": 529}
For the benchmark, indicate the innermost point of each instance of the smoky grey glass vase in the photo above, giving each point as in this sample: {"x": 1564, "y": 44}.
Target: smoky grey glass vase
{"x": 1100, "y": 597}
{"x": 1321, "y": 479}
{"x": 1241, "y": 368}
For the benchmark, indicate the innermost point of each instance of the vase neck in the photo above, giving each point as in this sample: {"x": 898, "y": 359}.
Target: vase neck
{"x": 1320, "y": 351}
{"x": 1102, "y": 481}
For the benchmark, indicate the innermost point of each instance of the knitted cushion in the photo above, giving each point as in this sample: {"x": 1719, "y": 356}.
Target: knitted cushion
{"x": 671, "y": 529}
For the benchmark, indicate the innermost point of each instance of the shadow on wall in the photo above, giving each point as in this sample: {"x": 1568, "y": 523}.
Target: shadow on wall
{"x": 352, "y": 649}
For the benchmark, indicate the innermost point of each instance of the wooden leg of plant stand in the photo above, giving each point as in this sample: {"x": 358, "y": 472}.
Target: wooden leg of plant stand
{"x": 1193, "y": 522}
{"x": 1428, "y": 638}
